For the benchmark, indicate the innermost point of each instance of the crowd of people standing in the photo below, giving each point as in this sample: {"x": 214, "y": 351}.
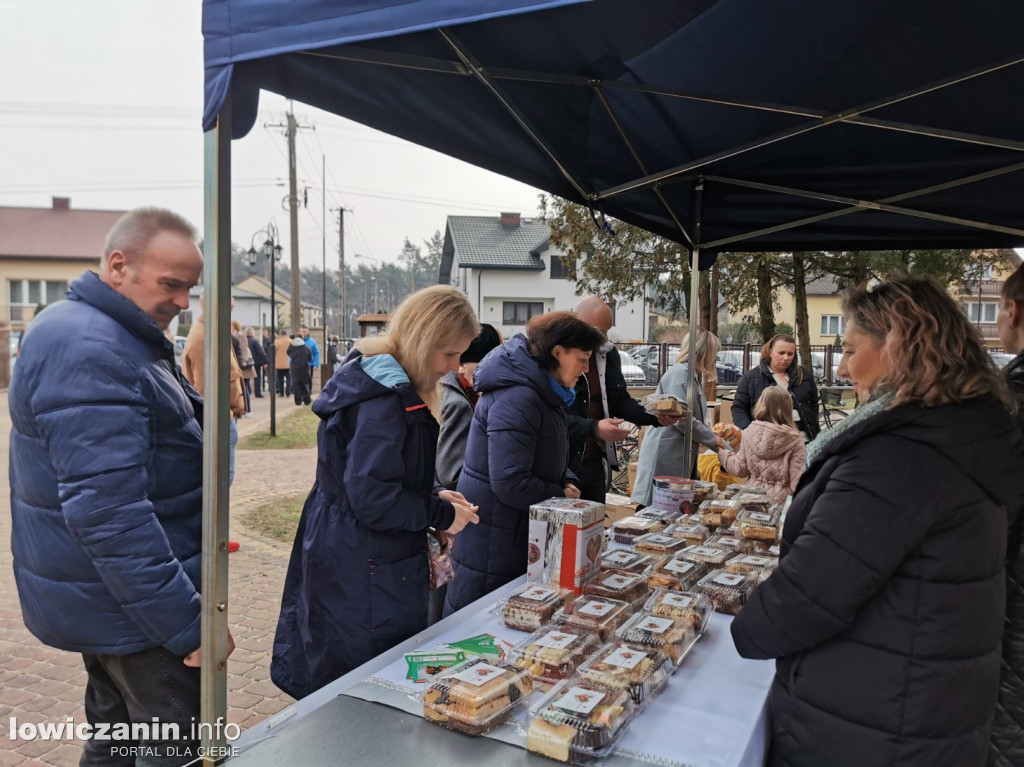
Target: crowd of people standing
{"x": 895, "y": 616}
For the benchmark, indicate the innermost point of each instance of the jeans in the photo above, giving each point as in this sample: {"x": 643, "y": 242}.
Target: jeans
{"x": 139, "y": 687}
{"x": 257, "y": 382}
{"x": 284, "y": 383}
{"x": 232, "y": 441}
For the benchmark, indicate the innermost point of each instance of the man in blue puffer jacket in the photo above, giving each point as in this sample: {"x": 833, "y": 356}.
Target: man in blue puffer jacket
{"x": 106, "y": 481}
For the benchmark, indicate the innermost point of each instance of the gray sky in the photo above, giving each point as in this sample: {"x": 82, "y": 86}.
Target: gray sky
{"x": 101, "y": 101}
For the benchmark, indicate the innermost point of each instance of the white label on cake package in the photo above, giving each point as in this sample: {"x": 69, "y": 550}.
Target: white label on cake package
{"x": 706, "y": 551}
{"x": 729, "y": 540}
{"x": 598, "y": 609}
{"x": 660, "y": 540}
{"x": 621, "y": 557}
{"x": 774, "y": 550}
{"x": 557, "y": 640}
{"x": 478, "y": 675}
{"x": 537, "y": 593}
{"x": 678, "y": 566}
{"x": 729, "y": 579}
{"x": 619, "y": 582}
{"x": 677, "y": 600}
{"x": 655, "y": 625}
{"x": 755, "y": 561}
{"x": 625, "y": 657}
{"x": 579, "y": 700}
{"x": 760, "y": 516}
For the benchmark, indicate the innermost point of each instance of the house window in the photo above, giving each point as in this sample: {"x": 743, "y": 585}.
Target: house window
{"x": 978, "y": 272}
{"x": 559, "y": 268}
{"x": 831, "y": 324}
{"x": 25, "y": 295}
{"x": 988, "y": 312}
{"x": 520, "y": 312}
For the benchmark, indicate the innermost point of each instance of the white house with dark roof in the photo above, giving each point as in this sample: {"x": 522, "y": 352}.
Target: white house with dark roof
{"x": 510, "y": 272}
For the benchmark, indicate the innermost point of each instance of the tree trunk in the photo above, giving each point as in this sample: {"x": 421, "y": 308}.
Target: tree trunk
{"x": 705, "y": 300}
{"x": 803, "y": 333}
{"x": 765, "y": 309}
{"x": 860, "y": 269}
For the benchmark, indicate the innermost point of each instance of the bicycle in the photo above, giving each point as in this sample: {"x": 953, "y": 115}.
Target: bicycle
{"x": 626, "y": 451}
{"x": 830, "y": 415}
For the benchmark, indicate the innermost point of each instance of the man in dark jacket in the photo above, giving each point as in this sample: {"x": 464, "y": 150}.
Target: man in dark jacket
{"x": 1008, "y": 730}
{"x": 602, "y": 404}
{"x": 106, "y": 484}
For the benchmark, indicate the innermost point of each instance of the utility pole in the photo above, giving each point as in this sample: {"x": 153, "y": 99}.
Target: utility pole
{"x": 291, "y": 128}
{"x": 342, "y": 281}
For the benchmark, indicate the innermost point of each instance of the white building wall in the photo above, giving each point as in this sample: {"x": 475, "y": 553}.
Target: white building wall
{"x": 488, "y": 289}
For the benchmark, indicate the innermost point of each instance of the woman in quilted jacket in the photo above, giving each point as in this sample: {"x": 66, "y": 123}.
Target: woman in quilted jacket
{"x": 772, "y": 452}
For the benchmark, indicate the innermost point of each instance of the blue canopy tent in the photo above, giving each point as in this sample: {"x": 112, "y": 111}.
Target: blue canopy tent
{"x": 880, "y": 124}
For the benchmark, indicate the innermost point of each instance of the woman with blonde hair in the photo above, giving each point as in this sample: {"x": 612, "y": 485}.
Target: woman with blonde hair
{"x": 358, "y": 577}
{"x": 886, "y": 610}
{"x": 772, "y": 451}
{"x": 662, "y": 450}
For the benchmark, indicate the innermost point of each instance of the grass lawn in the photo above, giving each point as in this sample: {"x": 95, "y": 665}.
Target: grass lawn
{"x": 297, "y": 430}
{"x": 278, "y": 519}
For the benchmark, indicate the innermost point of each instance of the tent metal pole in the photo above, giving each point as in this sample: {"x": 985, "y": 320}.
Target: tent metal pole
{"x": 216, "y": 412}
{"x": 869, "y": 205}
{"x": 596, "y": 87}
{"x": 484, "y": 77}
{"x": 847, "y": 211}
{"x": 693, "y": 310}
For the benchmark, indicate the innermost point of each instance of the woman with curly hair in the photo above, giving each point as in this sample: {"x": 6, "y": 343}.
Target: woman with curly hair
{"x": 886, "y": 610}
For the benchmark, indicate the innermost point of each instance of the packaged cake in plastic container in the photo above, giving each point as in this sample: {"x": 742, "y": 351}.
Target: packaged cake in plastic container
{"x": 597, "y": 614}
{"x": 728, "y": 592}
{"x": 703, "y": 491}
{"x": 531, "y": 606}
{"x": 691, "y": 606}
{"x": 565, "y": 538}
{"x": 731, "y": 542}
{"x": 760, "y": 565}
{"x": 664, "y": 404}
{"x": 554, "y": 653}
{"x": 625, "y": 587}
{"x": 731, "y": 491}
{"x": 672, "y": 494}
{"x": 718, "y": 512}
{"x": 690, "y": 530}
{"x": 625, "y": 561}
{"x": 664, "y": 516}
{"x": 578, "y": 722}
{"x": 659, "y": 544}
{"x": 713, "y": 556}
{"x": 758, "y": 525}
{"x": 476, "y": 695}
{"x": 642, "y": 671}
{"x": 754, "y": 501}
{"x": 629, "y": 528}
{"x": 673, "y": 636}
{"x": 676, "y": 574}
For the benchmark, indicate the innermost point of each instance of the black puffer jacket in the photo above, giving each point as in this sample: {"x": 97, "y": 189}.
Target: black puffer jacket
{"x": 801, "y": 388}
{"x": 1008, "y": 730}
{"x": 885, "y": 613}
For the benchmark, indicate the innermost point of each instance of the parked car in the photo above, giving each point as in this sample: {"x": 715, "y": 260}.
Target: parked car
{"x": 818, "y": 366}
{"x": 1000, "y": 359}
{"x": 632, "y": 372}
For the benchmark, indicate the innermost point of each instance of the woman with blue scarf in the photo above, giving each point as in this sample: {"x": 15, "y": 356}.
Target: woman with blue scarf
{"x": 518, "y": 447}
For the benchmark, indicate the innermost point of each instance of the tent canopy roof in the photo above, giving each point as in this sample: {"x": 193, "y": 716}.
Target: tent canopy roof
{"x": 778, "y": 126}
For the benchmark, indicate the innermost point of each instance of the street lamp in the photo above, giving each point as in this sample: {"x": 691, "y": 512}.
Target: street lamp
{"x": 272, "y": 250}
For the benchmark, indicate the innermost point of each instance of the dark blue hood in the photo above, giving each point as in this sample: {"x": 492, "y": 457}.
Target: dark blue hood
{"x": 512, "y": 365}
{"x": 349, "y": 386}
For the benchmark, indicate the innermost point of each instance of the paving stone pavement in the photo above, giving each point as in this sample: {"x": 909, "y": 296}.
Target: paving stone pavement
{"x": 41, "y": 684}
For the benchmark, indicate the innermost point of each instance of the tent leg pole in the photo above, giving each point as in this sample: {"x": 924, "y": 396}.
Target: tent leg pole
{"x": 216, "y": 415}
{"x": 693, "y": 310}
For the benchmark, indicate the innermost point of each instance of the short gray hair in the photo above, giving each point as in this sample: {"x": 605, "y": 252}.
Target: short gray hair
{"x": 135, "y": 229}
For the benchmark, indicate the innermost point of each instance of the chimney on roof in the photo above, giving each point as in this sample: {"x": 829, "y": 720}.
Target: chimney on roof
{"x": 62, "y": 203}
{"x": 510, "y": 219}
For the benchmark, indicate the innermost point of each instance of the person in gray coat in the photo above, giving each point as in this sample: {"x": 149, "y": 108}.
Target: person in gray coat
{"x": 458, "y": 398}
{"x": 662, "y": 450}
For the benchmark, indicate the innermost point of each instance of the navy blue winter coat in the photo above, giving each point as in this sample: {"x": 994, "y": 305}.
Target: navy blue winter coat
{"x": 106, "y": 479}
{"x": 516, "y": 455}
{"x": 358, "y": 577}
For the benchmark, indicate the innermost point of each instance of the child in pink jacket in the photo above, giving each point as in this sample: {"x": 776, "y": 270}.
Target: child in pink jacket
{"x": 772, "y": 452}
